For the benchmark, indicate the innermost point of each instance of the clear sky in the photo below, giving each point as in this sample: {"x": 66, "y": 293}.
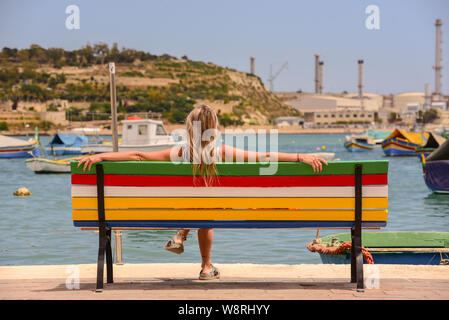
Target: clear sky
{"x": 398, "y": 57}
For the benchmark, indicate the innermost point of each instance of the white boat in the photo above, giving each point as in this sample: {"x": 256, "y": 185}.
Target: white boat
{"x": 42, "y": 165}
{"x": 138, "y": 134}
{"x": 86, "y": 131}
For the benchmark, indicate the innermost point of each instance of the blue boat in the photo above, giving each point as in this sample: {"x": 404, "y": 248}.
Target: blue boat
{"x": 357, "y": 143}
{"x": 66, "y": 144}
{"x": 415, "y": 248}
{"x": 436, "y": 169}
{"x": 17, "y": 148}
{"x": 377, "y": 135}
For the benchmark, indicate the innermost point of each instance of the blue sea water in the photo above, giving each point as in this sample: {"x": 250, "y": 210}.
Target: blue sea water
{"x": 39, "y": 230}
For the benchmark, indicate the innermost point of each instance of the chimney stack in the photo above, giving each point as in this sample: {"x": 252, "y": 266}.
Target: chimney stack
{"x": 427, "y": 96}
{"x": 321, "y": 77}
{"x": 317, "y": 73}
{"x": 360, "y": 86}
{"x": 438, "y": 58}
{"x": 251, "y": 59}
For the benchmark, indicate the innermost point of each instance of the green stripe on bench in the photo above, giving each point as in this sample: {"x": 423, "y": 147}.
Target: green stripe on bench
{"x": 234, "y": 169}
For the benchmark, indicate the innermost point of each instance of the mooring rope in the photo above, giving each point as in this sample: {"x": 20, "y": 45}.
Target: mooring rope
{"x": 316, "y": 247}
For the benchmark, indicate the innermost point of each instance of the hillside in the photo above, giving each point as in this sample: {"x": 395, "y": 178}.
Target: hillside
{"x": 145, "y": 82}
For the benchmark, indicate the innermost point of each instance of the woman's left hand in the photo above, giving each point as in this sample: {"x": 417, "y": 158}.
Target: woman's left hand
{"x": 315, "y": 162}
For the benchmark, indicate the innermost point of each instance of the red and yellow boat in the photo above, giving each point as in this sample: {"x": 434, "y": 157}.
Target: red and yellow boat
{"x": 403, "y": 143}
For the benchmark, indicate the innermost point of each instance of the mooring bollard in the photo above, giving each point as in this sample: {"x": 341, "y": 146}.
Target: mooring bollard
{"x": 118, "y": 247}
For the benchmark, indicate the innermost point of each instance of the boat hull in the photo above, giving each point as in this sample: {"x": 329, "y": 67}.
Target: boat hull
{"x": 358, "y": 147}
{"x": 398, "y": 257}
{"x": 19, "y": 152}
{"x": 62, "y": 151}
{"x": 391, "y": 247}
{"x": 398, "y": 147}
{"x": 423, "y": 152}
{"x": 40, "y": 165}
{"x": 436, "y": 176}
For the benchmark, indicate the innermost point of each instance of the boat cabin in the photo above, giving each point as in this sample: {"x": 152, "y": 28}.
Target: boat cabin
{"x": 144, "y": 132}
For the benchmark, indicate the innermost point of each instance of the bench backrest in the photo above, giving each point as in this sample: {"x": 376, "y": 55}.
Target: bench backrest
{"x": 166, "y": 195}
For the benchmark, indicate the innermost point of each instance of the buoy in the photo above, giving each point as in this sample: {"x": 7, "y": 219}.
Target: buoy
{"x": 323, "y": 147}
{"x": 23, "y": 192}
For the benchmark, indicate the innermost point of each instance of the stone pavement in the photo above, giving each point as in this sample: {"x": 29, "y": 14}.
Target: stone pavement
{"x": 165, "y": 281}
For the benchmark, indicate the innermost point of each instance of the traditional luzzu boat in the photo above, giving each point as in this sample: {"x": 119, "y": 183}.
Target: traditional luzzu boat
{"x": 43, "y": 165}
{"x": 356, "y": 143}
{"x": 66, "y": 144}
{"x": 402, "y": 143}
{"x": 377, "y": 135}
{"x": 18, "y": 148}
{"x": 432, "y": 143}
{"x": 436, "y": 169}
{"x": 413, "y": 248}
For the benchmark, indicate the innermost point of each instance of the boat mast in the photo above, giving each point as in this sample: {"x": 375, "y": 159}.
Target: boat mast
{"x": 113, "y": 107}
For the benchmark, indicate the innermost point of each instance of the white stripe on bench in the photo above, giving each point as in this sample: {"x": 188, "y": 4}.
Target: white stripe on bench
{"x": 245, "y": 192}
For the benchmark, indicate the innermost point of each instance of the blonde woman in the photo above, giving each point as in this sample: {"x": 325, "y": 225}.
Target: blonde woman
{"x": 204, "y": 155}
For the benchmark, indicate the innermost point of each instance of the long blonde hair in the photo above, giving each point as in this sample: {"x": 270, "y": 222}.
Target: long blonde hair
{"x": 208, "y": 119}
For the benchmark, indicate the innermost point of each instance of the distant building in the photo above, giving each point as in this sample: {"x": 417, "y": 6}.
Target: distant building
{"x": 402, "y": 100}
{"x": 439, "y": 105}
{"x": 289, "y": 121}
{"x": 338, "y": 116}
{"x": 326, "y": 110}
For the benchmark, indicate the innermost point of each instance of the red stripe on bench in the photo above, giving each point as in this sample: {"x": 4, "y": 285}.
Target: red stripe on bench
{"x": 254, "y": 181}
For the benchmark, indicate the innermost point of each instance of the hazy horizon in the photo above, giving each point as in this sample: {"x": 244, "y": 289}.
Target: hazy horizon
{"x": 398, "y": 57}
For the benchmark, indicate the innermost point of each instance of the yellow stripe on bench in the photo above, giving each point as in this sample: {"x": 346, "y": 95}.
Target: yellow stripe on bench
{"x": 229, "y": 214}
{"x": 225, "y": 203}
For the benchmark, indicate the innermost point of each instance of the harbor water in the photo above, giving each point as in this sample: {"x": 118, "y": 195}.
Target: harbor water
{"x": 38, "y": 230}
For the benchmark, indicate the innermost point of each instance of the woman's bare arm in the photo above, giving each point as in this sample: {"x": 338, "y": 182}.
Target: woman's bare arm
{"x": 160, "y": 155}
{"x": 233, "y": 154}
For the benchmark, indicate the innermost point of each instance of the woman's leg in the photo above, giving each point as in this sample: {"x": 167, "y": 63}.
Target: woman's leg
{"x": 205, "y": 238}
{"x": 181, "y": 236}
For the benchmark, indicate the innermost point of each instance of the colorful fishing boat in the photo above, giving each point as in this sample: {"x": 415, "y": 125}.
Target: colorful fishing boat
{"x": 416, "y": 248}
{"x": 436, "y": 169}
{"x": 43, "y": 165}
{"x": 432, "y": 143}
{"x": 377, "y": 135}
{"x": 66, "y": 144}
{"x": 18, "y": 148}
{"x": 402, "y": 143}
{"x": 356, "y": 143}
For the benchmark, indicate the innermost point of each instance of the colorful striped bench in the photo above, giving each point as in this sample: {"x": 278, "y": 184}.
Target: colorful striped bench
{"x": 161, "y": 195}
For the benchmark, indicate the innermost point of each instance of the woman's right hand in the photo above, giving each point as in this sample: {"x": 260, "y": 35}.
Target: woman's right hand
{"x": 315, "y": 162}
{"x": 89, "y": 161}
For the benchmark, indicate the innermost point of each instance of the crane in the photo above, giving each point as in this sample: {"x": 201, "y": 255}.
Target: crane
{"x": 273, "y": 76}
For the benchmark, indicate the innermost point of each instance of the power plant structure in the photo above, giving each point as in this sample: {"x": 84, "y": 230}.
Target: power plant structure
{"x": 252, "y": 68}
{"x": 317, "y": 72}
{"x": 438, "y": 58}
{"x": 360, "y": 85}
{"x": 321, "y": 73}
{"x": 273, "y": 76}
{"x": 427, "y": 96}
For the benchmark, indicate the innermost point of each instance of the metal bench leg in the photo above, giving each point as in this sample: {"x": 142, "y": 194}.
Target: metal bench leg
{"x": 100, "y": 262}
{"x": 104, "y": 245}
{"x": 356, "y": 234}
{"x": 110, "y": 277}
